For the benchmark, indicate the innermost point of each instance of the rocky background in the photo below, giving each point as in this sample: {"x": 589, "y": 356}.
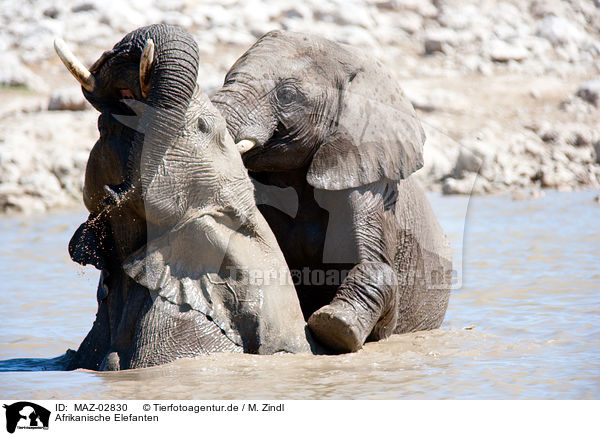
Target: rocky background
{"x": 508, "y": 91}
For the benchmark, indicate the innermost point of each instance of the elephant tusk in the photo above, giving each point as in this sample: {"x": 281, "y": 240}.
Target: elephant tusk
{"x": 76, "y": 68}
{"x": 244, "y": 145}
{"x": 146, "y": 62}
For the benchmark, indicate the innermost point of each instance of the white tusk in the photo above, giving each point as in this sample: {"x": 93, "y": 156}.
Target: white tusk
{"x": 146, "y": 62}
{"x": 81, "y": 73}
{"x": 244, "y": 145}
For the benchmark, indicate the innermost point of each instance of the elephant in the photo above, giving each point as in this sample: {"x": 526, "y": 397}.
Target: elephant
{"x": 173, "y": 224}
{"x": 330, "y": 123}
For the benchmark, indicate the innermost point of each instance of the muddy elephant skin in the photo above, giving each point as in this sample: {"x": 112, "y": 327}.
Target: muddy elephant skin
{"x": 331, "y": 125}
{"x": 173, "y": 224}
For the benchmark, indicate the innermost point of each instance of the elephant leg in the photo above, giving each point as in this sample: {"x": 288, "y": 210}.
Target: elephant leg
{"x": 97, "y": 342}
{"x": 111, "y": 362}
{"x": 167, "y": 332}
{"x": 129, "y": 303}
{"x": 365, "y": 306}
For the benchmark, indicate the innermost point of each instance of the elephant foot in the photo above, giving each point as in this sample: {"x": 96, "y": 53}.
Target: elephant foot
{"x": 337, "y": 326}
{"x": 111, "y": 362}
{"x": 365, "y": 308}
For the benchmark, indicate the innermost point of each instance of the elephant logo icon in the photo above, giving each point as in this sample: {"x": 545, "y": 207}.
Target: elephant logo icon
{"x": 26, "y": 415}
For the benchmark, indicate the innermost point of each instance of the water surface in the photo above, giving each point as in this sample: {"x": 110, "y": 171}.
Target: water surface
{"x": 525, "y": 322}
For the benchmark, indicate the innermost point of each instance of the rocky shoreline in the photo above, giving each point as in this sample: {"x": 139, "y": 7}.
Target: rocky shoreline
{"x": 508, "y": 91}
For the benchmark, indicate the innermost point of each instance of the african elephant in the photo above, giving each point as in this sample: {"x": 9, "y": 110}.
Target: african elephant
{"x": 173, "y": 224}
{"x": 331, "y": 122}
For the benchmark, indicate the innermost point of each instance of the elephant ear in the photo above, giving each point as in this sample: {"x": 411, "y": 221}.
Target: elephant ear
{"x": 378, "y": 135}
{"x": 208, "y": 264}
{"x": 183, "y": 266}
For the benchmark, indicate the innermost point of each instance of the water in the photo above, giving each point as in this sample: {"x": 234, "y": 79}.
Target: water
{"x": 524, "y": 324}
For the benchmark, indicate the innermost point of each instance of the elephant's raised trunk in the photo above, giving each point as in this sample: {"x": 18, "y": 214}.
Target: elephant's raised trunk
{"x": 168, "y": 80}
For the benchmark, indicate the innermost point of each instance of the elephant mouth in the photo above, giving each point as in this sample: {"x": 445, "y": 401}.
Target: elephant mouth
{"x": 274, "y": 145}
{"x": 249, "y": 155}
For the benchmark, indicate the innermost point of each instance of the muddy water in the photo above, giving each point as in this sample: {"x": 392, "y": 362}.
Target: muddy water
{"x": 524, "y": 323}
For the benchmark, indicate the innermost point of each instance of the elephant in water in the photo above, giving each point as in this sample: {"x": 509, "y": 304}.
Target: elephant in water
{"x": 188, "y": 264}
{"x": 331, "y": 124}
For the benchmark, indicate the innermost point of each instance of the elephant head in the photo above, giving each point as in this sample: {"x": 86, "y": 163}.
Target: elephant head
{"x": 168, "y": 188}
{"x": 296, "y": 101}
{"x": 154, "y": 65}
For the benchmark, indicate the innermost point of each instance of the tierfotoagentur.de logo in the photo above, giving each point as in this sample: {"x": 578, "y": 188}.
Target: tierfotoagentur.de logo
{"x": 24, "y": 415}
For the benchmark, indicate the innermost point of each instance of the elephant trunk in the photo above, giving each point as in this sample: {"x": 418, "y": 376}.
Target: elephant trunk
{"x": 172, "y": 82}
{"x": 244, "y": 113}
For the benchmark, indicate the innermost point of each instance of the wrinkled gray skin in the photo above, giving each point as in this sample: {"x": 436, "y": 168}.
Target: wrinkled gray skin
{"x": 173, "y": 224}
{"x": 333, "y": 124}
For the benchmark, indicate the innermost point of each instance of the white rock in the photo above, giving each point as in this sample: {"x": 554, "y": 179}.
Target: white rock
{"x": 500, "y": 51}
{"x": 560, "y": 31}
{"x": 14, "y": 73}
{"x": 425, "y": 8}
{"x": 556, "y": 176}
{"x": 483, "y": 147}
{"x": 351, "y": 14}
{"x": 470, "y": 184}
{"x": 436, "y": 166}
{"x": 42, "y": 182}
{"x": 439, "y": 155}
{"x": 467, "y": 162}
{"x": 459, "y": 18}
{"x": 68, "y": 99}
{"x": 21, "y": 203}
{"x": 590, "y": 91}
{"x": 176, "y": 19}
{"x": 356, "y": 36}
{"x": 215, "y": 14}
{"x": 410, "y": 22}
{"x": 443, "y": 35}
{"x": 543, "y": 8}
{"x": 235, "y": 37}
{"x": 10, "y": 173}
{"x": 298, "y": 11}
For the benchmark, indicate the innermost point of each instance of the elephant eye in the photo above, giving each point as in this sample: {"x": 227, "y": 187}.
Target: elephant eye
{"x": 202, "y": 125}
{"x": 286, "y": 95}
